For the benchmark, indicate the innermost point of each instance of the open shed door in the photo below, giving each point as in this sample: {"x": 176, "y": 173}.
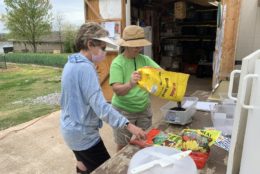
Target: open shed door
{"x": 224, "y": 56}
{"x": 110, "y": 14}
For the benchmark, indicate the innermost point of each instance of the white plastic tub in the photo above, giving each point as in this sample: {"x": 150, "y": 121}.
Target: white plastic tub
{"x": 146, "y": 155}
{"x": 180, "y": 117}
{"x": 223, "y": 117}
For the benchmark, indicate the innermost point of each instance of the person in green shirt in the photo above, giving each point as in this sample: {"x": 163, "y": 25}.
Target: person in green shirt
{"x": 129, "y": 99}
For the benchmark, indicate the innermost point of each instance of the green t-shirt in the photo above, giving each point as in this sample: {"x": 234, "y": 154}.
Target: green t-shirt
{"x": 137, "y": 99}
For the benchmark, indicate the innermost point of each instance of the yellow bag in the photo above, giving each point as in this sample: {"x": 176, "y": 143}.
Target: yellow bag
{"x": 165, "y": 84}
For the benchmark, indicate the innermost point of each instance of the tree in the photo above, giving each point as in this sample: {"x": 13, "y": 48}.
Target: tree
{"x": 58, "y": 27}
{"x": 2, "y": 18}
{"x": 69, "y": 34}
{"x": 28, "y": 19}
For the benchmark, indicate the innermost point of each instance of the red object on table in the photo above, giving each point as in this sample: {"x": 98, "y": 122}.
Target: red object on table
{"x": 151, "y": 135}
{"x": 200, "y": 158}
{"x": 149, "y": 139}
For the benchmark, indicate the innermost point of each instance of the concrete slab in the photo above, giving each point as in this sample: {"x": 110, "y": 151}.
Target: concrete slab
{"x": 37, "y": 146}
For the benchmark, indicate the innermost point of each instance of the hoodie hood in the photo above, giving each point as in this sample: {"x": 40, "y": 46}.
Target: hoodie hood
{"x": 77, "y": 58}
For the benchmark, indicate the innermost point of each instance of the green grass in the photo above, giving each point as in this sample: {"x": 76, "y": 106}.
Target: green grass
{"x": 56, "y": 60}
{"x": 20, "y": 83}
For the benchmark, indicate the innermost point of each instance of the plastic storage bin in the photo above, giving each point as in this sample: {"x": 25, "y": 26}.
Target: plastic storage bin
{"x": 225, "y": 99}
{"x": 223, "y": 117}
{"x": 180, "y": 117}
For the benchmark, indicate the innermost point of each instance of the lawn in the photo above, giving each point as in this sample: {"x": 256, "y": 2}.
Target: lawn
{"x": 22, "y": 91}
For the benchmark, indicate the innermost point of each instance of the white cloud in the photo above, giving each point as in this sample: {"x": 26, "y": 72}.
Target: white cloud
{"x": 72, "y": 11}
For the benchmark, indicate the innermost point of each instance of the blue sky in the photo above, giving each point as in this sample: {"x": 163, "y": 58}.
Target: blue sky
{"x": 72, "y": 11}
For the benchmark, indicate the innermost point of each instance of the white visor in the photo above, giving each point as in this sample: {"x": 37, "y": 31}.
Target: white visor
{"x": 109, "y": 42}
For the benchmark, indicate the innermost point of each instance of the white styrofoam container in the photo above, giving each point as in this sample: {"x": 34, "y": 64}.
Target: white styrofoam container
{"x": 180, "y": 117}
{"x": 222, "y": 117}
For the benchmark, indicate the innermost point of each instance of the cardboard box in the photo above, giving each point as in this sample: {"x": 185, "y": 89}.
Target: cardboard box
{"x": 180, "y": 10}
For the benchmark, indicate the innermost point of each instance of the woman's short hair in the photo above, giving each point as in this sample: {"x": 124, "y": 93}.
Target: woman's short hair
{"x": 87, "y": 32}
{"x": 121, "y": 49}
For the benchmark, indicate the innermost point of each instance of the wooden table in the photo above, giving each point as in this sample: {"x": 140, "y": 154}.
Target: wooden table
{"x": 216, "y": 164}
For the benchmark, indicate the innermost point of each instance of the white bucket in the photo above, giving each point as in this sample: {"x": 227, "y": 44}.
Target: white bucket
{"x": 144, "y": 156}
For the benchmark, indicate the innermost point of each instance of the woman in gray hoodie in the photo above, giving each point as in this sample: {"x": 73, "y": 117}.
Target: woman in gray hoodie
{"x": 83, "y": 106}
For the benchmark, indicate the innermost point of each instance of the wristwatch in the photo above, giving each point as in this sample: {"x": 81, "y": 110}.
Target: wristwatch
{"x": 126, "y": 124}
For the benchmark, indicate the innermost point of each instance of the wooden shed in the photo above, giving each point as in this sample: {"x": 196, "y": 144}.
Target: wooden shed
{"x": 205, "y": 38}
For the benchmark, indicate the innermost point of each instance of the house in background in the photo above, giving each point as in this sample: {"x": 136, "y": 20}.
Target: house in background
{"x": 51, "y": 43}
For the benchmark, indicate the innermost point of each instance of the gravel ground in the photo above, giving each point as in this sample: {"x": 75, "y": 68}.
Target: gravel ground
{"x": 50, "y": 99}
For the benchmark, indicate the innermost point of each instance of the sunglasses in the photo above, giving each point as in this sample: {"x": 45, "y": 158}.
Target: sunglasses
{"x": 103, "y": 48}
{"x": 97, "y": 44}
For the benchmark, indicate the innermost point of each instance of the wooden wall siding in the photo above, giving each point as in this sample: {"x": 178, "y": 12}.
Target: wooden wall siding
{"x": 92, "y": 13}
{"x": 123, "y": 20}
{"x": 103, "y": 73}
{"x": 92, "y": 10}
{"x": 230, "y": 36}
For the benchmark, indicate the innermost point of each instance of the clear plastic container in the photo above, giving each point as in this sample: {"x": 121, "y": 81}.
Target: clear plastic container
{"x": 225, "y": 99}
{"x": 180, "y": 117}
{"x": 223, "y": 117}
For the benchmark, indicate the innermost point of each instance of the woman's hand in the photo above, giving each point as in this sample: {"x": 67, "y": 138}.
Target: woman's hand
{"x": 135, "y": 77}
{"x": 138, "y": 132}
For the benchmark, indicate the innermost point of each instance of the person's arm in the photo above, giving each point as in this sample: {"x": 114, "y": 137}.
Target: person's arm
{"x": 108, "y": 114}
{"x": 122, "y": 89}
{"x": 94, "y": 96}
{"x": 138, "y": 132}
{"x": 116, "y": 79}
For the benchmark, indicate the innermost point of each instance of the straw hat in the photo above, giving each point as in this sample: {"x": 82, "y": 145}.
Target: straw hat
{"x": 133, "y": 36}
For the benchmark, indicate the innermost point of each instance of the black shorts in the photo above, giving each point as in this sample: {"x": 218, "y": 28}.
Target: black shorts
{"x": 93, "y": 157}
